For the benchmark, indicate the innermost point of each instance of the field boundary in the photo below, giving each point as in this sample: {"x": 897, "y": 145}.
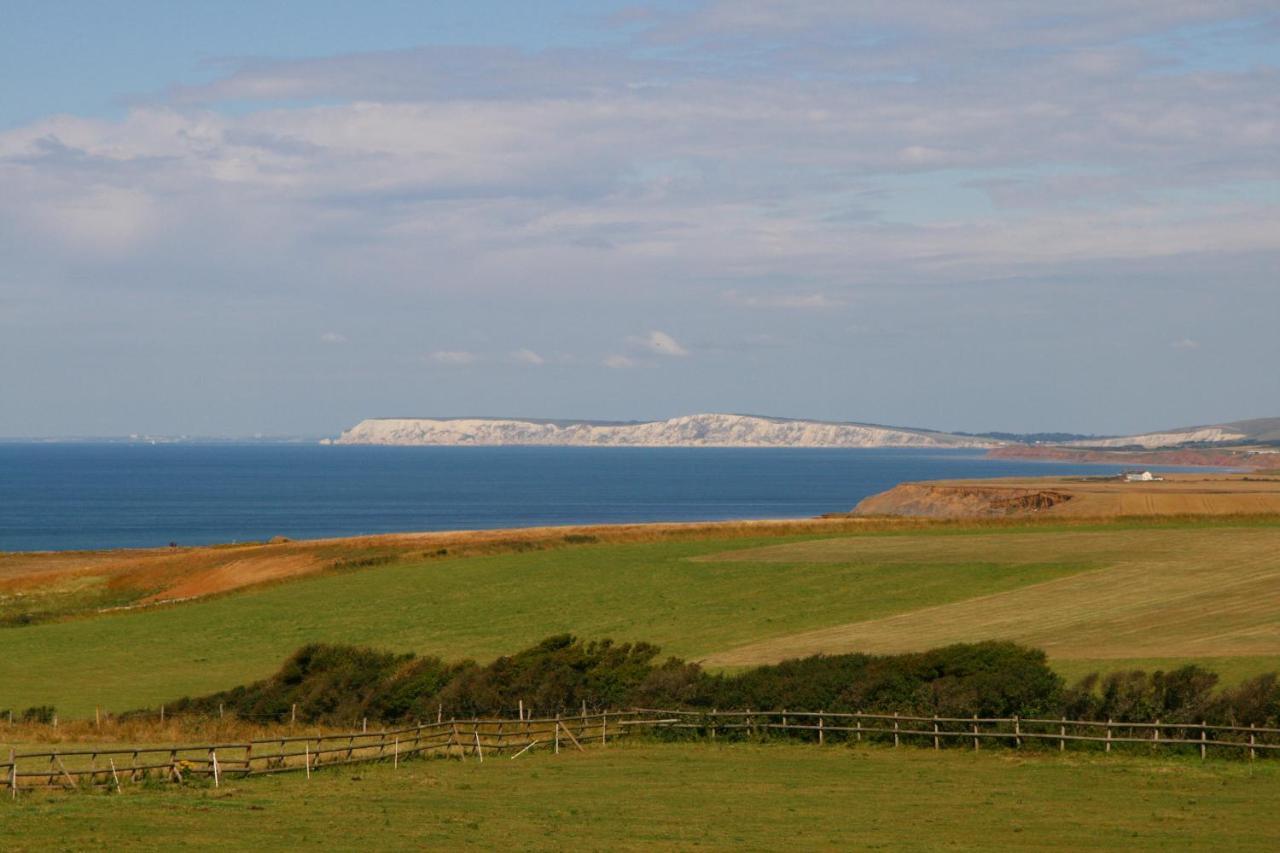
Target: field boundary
{"x": 455, "y": 738}
{"x": 113, "y": 766}
{"x": 1235, "y": 741}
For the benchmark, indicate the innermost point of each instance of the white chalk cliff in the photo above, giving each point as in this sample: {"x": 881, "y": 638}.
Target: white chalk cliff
{"x": 708, "y": 430}
{"x": 1152, "y": 440}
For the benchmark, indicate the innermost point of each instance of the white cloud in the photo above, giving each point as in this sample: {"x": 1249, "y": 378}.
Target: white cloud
{"x": 333, "y": 338}
{"x": 620, "y": 362}
{"x": 659, "y": 343}
{"x": 527, "y": 356}
{"x": 782, "y": 300}
{"x": 1185, "y": 343}
{"x": 452, "y": 357}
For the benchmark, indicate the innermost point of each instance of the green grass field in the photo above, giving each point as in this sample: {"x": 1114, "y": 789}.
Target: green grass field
{"x": 1164, "y": 592}
{"x": 687, "y": 796}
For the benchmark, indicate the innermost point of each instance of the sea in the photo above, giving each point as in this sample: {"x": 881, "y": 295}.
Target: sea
{"x": 81, "y": 495}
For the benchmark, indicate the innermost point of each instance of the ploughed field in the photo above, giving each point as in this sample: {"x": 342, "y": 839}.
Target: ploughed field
{"x": 1096, "y": 595}
{"x": 1080, "y": 497}
{"x": 733, "y": 797}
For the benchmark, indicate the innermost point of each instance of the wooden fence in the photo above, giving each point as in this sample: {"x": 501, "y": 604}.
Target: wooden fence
{"x": 1235, "y": 741}
{"x": 113, "y": 767}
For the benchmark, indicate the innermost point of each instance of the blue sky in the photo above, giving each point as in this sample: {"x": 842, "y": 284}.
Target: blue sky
{"x": 238, "y": 218}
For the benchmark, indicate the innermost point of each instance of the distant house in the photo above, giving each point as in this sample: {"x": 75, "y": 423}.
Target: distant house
{"x": 1141, "y": 477}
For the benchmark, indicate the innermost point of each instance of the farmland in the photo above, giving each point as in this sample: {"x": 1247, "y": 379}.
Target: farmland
{"x": 1081, "y": 497}
{"x": 740, "y": 796}
{"x": 1094, "y": 595}
{"x": 1173, "y": 593}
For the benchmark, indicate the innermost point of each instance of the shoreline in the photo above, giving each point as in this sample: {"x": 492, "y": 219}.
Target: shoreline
{"x": 1230, "y": 460}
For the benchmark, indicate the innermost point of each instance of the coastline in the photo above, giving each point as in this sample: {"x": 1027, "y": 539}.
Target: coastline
{"x": 1241, "y": 460}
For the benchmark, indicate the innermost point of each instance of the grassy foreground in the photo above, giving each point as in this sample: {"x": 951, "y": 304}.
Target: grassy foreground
{"x": 642, "y": 796}
{"x": 1163, "y": 592}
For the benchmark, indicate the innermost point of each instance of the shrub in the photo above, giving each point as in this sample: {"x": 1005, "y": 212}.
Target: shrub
{"x": 341, "y": 684}
{"x": 44, "y": 714}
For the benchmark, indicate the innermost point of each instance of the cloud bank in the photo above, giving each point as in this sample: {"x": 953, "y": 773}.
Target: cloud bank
{"x": 722, "y": 165}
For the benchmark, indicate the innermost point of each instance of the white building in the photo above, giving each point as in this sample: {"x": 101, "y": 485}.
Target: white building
{"x": 1141, "y": 477}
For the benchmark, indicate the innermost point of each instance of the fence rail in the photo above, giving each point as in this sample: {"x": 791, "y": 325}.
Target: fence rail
{"x": 113, "y": 766}
{"x": 1238, "y": 740}
{"x": 496, "y": 737}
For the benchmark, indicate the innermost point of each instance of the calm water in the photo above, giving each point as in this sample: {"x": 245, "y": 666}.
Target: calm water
{"x": 69, "y": 496}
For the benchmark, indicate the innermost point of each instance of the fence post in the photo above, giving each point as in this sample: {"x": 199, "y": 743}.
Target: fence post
{"x": 13, "y": 771}
{"x": 784, "y": 721}
{"x": 604, "y": 728}
{"x": 895, "y": 728}
{"x": 1155, "y": 737}
{"x": 557, "y": 734}
{"x": 293, "y": 715}
{"x": 858, "y": 725}
{"x": 713, "y": 723}
{"x": 1017, "y": 732}
{"x": 1204, "y": 735}
{"x": 975, "y": 732}
{"x": 821, "y": 725}
{"x": 1252, "y": 751}
{"x": 937, "y": 743}
{"x": 1062, "y": 736}
{"x": 1108, "y": 748}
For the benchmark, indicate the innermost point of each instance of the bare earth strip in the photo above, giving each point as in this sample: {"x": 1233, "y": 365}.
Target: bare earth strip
{"x": 1161, "y": 593}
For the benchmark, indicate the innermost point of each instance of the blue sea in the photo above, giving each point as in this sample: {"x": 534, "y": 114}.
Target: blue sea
{"x": 81, "y": 495}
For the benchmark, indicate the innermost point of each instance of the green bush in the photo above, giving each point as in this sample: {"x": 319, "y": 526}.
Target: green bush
{"x": 39, "y": 714}
{"x": 341, "y": 684}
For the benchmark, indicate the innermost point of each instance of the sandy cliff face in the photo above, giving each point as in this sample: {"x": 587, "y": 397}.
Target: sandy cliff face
{"x": 708, "y": 430}
{"x": 960, "y": 501}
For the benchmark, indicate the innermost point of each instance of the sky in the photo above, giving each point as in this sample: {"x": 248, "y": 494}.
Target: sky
{"x": 241, "y": 218}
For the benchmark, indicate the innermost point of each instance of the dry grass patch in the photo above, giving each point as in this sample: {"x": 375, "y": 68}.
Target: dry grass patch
{"x": 1155, "y": 593}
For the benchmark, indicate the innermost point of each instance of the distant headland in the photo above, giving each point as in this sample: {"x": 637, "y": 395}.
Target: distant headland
{"x": 735, "y": 430}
